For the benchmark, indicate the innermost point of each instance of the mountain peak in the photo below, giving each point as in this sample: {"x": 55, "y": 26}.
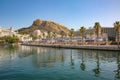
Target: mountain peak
{"x": 44, "y": 26}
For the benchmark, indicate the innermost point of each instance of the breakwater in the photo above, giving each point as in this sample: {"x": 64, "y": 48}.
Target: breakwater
{"x": 88, "y": 47}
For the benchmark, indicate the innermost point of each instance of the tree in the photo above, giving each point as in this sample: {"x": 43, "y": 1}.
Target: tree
{"x": 97, "y": 28}
{"x": 117, "y": 29}
{"x": 91, "y": 33}
{"x": 43, "y": 35}
{"x": 33, "y": 37}
{"x": 71, "y": 33}
{"x": 49, "y": 35}
{"x": 54, "y": 34}
{"x": 62, "y": 34}
{"x": 10, "y": 39}
{"x": 82, "y": 31}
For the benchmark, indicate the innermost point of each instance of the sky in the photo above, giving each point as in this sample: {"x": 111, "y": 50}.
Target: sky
{"x": 70, "y": 13}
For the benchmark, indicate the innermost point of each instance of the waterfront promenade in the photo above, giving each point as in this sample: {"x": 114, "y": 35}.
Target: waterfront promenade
{"x": 76, "y": 46}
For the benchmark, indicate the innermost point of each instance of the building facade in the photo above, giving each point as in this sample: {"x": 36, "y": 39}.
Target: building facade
{"x": 110, "y": 31}
{"x": 6, "y": 32}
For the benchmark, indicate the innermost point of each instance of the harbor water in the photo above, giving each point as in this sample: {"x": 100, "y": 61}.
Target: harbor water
{"x": 41, "y": 63}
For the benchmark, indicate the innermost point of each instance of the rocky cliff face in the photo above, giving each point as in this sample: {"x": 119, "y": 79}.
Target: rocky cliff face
{"x": 44, "y": 26}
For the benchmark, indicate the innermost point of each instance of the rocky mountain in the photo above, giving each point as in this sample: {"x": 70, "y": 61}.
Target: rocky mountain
{"x": 44, "y": 26}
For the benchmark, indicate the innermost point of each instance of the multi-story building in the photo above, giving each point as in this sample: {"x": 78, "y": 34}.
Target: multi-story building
{"x": 6, "y": 32}
{"x": 107, "y": 33}
{"x": 11, "y": 32}
{"x": 110, "y": 31}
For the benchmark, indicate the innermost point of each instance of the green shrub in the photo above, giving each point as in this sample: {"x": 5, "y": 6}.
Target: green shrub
{"x": 10, "y": 39}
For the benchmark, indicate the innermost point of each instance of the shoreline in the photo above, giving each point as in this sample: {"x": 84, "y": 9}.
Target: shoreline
{"x": 87, "y": 47}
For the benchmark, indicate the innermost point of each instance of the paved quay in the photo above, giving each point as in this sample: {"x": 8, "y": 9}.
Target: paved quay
{"x": 88, "y": 47}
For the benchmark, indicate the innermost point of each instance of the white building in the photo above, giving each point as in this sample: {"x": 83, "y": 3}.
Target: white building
{"x": 7, "y": 32}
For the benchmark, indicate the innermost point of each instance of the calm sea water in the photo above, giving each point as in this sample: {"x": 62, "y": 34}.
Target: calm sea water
{"x": 40, "y": 63}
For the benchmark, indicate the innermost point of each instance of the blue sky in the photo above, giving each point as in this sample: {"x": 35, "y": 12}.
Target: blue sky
{"x": 70, "y": 13}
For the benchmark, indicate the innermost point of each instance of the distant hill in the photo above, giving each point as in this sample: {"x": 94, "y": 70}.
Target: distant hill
{"x": 44, "y": 26}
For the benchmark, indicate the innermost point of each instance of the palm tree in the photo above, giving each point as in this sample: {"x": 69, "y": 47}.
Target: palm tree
{"x": 91, "y": 33}
{"x": 117, "y": 29}
{"x": 71, "y": 33}
{"x": 82, "y": 31}
{"x": 97, "y": 28}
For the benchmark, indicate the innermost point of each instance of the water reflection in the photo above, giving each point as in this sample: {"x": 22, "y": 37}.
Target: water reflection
{"x": 71, "y": 59}
{"x": 118, "y": 67}
{"x": 97, "y": 69}
{"x": 8, "y": 52}
{"x": 96, "y": 63}
{"x": 48, "y": 58}
{"x": 82, "y": 65}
